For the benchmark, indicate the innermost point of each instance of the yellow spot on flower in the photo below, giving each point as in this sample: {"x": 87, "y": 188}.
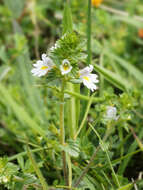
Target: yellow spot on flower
{"x": 86, "y": 78}
{"x": 96, "y": 2}
{"x": 44, "y": 67}
{"x": 66, "y": 67}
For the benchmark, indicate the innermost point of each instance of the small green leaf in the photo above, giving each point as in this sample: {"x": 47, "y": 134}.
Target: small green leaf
{"x": 21, "y": 162}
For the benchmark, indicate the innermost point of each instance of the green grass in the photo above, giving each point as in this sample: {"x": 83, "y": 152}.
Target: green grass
{"x": 36, "y": 113}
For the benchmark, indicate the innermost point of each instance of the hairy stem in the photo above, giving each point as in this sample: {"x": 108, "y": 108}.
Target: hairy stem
{"x": 62, "y": 132}
{"x": 70, "y": 171}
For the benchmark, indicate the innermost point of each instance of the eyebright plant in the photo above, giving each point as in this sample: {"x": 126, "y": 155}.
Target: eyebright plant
{"x": 62, "y": 63}
{"x": 64, "y": 59}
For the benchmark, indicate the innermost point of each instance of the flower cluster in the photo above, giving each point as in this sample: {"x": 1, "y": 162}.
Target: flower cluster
{"x": 65, "y": 66}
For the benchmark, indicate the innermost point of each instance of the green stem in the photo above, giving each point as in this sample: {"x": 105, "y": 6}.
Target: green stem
{"x": 71, "y": 108}
{"x": 85, "y": 116}
{"x": 101, "y": 76}
{"x": 82, "y": 97}
{"x": 37, "y": 170}
{"x": 70, "y": 171}
{"x": 89, "y": 53}
{"x": 62, "y": 131}
{"x": 89, "y": 34}
{"x": 65, "y": 187}
{"x": 24, "y": 153}
{"x": 116, "y": 178}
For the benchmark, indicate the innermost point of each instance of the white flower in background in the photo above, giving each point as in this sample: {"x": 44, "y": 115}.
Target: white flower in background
{"x": 111, "y": 113}
{"x": 65, "y": 67}
{"x": 87, "y": 78}
{"x": 42, "y": 66}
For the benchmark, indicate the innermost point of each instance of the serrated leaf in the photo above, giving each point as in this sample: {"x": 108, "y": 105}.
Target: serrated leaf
{"x": 72, "y": 148}
{"x": 104, "y": 146}
{"x": 29, "y": 178}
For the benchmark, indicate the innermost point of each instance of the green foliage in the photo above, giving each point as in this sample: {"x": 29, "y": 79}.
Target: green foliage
{"x": 12, "y": 178}
{"x": 70, "y": 47}
{"x": 29, "y": 107}
{"x": 72, "y": 148}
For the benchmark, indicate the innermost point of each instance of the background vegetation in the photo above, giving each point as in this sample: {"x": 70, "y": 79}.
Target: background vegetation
{"x": 29, "y": 114}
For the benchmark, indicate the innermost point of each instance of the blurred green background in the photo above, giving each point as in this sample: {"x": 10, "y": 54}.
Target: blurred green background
{"x": 27, "y": 112}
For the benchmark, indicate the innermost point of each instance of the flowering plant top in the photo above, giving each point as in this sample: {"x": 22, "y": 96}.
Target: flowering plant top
{"x": 63, "y": 61}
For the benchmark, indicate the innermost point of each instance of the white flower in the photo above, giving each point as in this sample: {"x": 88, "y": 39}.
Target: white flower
{"x": 65, "y": 67}
{"x": 4, "y": 179}
{"x": 54, "y": 47}
{"x": 111, "y": 113}
{"x": 42, "y": 66}
{"x": 87, "y": 78}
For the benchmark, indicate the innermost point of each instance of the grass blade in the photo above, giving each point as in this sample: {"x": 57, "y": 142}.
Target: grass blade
{"x": 136, "y": 73}
{"x": 19, "y": 112}
{"x": 113, "y": 78}
{"x": 37, "y": 170}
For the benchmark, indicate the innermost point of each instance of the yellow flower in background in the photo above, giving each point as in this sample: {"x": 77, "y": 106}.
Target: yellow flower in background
{"x": 96, "y": 2}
